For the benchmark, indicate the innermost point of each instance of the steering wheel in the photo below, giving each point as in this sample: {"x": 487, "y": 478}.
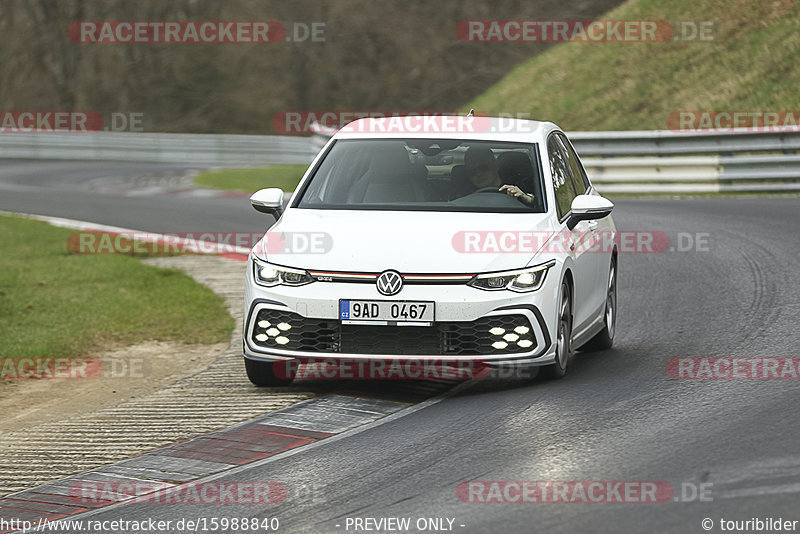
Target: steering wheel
{"x": 490, "y": 189}
{"x": 493, "y": 189}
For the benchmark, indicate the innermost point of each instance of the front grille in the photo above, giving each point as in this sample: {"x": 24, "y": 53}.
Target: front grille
{"x": 499, "y": 334}
{"x": 411, "y": 340}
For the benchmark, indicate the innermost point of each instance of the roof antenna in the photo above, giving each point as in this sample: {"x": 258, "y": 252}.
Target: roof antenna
{"x": 471, "y": 113}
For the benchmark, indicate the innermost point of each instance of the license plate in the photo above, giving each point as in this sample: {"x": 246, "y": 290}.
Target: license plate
{"x": 385, "y": 312}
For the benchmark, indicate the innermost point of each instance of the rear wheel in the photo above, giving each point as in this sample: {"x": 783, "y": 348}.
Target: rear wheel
{"x": 268, "y": 374}
{"x": 605, "y": 338}
{"x": 563, "y": 335}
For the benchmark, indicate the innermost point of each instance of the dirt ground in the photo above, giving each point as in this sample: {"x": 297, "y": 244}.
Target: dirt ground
{"x": 128, "y": 372}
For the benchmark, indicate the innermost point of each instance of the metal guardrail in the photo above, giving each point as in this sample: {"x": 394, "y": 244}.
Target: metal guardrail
{"x": 669, "y": 143}
{"x": 696, "y": 162}
{"x": 617, "y": 162}
{"x": 214, "y": 150}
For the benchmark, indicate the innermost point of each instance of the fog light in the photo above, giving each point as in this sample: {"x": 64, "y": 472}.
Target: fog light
{"x": 284, "y": 326}
{"x": 273, "y": 332}
{"x": 499, "y": 345}
{"x": 281, "y": 340}
{"x": 261, "y": 337}
{"x": 497, "y": 331}
{"x": 522, "y": 330}
{"x": 525, "y": 343}
{"x": 511, "y": 337}
{"x": 264, "y": 324}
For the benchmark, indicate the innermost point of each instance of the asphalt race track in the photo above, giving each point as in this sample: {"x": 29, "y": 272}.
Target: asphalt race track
{"x": 617, "y": 416}
{"x": 138, "y": 196}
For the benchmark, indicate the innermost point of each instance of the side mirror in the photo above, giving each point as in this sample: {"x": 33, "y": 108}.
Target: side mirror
{"x": 588, "y": 208}
{"x": 268, "y": 201}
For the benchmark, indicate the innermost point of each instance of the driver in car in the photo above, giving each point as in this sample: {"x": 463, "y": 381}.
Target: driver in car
{"x": 481, "y": 169}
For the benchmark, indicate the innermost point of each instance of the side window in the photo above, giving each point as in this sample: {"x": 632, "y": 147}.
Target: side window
{"x": 562, "y": 179}
{"x": 578, "y": 174}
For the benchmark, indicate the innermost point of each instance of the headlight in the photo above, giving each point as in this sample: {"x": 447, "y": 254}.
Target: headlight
{"x": 270, "y": 275}
{"x": 520, "y": 280}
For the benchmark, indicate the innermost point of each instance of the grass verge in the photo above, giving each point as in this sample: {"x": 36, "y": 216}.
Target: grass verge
{"x": 57, "y": 304}
{"x": 251, "y": 180}
{"x": 751, "y": 64}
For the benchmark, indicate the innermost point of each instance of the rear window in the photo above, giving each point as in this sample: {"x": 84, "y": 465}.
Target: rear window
{"x": 426, "y": 175}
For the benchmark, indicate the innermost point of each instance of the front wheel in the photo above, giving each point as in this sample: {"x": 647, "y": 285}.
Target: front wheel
{"x": 563, "y": 336}
{"x": 268, "y": 374}
{"x": 605, "y": 338}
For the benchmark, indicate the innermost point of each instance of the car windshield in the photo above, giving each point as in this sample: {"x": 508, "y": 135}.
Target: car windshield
{"x": 426, "y": 175}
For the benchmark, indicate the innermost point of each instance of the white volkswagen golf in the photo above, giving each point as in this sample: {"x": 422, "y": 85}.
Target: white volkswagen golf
{"x": 461, "y": 239}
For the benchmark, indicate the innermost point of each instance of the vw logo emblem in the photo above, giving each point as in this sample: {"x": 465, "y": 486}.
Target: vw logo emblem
{"x": 389, "y": 283}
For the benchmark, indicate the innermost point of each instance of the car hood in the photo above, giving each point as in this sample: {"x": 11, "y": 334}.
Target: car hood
{"x": 407, "y": 241}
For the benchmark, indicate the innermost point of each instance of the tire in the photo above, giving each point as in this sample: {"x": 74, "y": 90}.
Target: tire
{"x": 563, "y": 335}
{"x": 605, "y": 338}
{"x": 263, "y": 374}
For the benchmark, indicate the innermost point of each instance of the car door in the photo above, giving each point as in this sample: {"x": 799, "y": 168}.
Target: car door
{"x": 599, "y": 258}
{"x": 578, "y": 239}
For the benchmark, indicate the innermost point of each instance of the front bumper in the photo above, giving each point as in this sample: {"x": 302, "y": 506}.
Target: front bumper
{"x": 302, "y": 323}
